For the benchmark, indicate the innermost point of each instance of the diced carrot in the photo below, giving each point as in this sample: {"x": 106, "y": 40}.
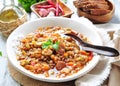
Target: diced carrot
{"x": 45, "y": 67}
{"x": 84, "y": 52}
{"x": 57, "y": 35}
{"x": 70, "y": 63}
{"x": 65, "y": 54}
{"x": 38, "y": 35}
{"x": 29, "y": 67}
{"x": 24, "y": 41}
{"x": 54, "y": 58}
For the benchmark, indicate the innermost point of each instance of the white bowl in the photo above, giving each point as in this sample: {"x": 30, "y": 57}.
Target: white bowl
{"x": 64, "y": 22}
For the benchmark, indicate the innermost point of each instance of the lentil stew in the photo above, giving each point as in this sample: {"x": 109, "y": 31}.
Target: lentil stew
{"x": 48, "y": 51}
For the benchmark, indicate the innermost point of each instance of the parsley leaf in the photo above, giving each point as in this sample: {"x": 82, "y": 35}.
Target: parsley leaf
{"x": 47, "y": 44}
{"x": 0, "y": 53}
{"x": 50, "y": 43}
{"x": 56, "y": 45}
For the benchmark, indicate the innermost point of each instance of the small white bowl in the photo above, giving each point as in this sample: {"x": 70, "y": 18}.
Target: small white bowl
{"x": 63, "y": 22}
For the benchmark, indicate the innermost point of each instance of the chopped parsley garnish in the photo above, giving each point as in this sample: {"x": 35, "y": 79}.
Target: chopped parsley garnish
{"x": 47, "y": 44}
{"x": 56, "y": 45}
{"x": 50, "y": 43}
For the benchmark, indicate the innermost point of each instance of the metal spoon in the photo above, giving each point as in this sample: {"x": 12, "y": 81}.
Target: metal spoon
{"x": 103, "y": 50}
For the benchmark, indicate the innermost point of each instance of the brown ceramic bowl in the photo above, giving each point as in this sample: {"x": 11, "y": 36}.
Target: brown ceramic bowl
{"x": 67, "y": 11}
{"x": 99, "y": 19}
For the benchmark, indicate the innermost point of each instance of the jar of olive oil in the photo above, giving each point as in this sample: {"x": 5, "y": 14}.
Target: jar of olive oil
{"x": 11, "y": 16}
{"x": 8, "y": 15}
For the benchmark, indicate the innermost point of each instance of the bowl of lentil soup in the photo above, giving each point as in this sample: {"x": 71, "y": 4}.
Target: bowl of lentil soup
{"x": 40, "y": 50}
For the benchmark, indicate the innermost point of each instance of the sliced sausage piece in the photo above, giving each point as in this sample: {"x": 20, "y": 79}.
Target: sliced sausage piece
{"x": 61, "y": 49}
{"x": 60, "y": 65}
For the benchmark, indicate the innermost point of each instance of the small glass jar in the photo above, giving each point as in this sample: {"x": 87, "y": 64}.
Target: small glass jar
{"x": 11, "y": 16}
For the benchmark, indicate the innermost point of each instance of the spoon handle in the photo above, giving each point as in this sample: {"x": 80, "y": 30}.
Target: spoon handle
{"x": 103, "y": 50}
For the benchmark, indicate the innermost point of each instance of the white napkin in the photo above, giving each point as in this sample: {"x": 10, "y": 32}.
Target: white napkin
{"x": 100, "y": 73}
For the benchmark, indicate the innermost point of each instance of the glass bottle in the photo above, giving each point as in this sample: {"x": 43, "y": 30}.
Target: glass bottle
{"x": 10, "y": 11}
{"x": 11, "y": 16}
